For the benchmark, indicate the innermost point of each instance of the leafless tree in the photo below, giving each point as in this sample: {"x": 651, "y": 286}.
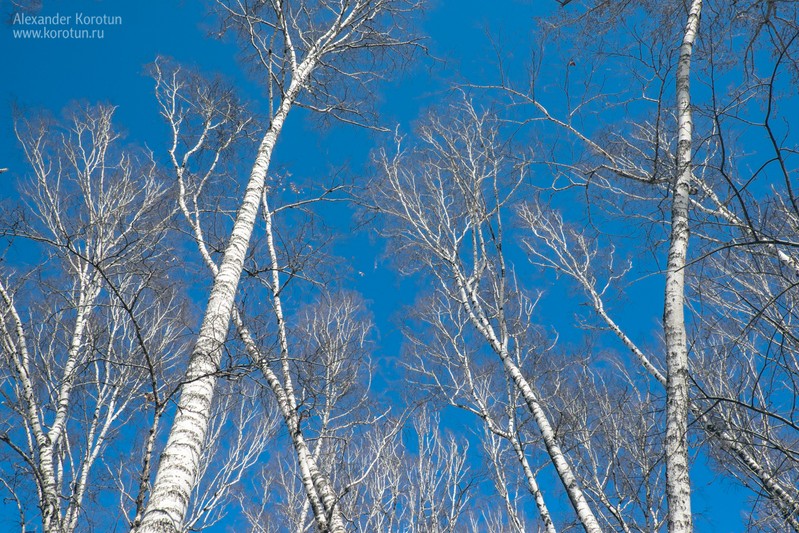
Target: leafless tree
{"x": 304, "y": 50}
{"x": 424, "y": 490}
{"x": 592, "y": 174}
{"x": 320, "y": 372}
{"x": 628, "y": 171}
{"x": 448, "y": 360}
{"x": 444, "y": 204}
{"x": 90, "y": 334}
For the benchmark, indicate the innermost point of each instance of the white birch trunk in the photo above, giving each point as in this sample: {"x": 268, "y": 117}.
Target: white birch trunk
{"x": 48, "y": 497}
{"x": 678, "y": 487}
{"x": 575, "y": 493}
{"x": 328, "y": 517}
{"x": 511, "y": 436}
{"x": 723, "y": 435}
{"x": 48, "y": 441}
{"x": 556, "y": 455}
{"x": 532, "y": 485}
{"x": 178, "y": 468}
{"x": 320, "y": 495}
{"x": 718, "y": 429}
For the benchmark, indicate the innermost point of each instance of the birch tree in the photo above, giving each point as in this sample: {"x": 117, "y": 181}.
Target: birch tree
{"x": 303, "y": 50}
{"x": 92, "y": 332}
{"x": 328, "y": 412}
{"x": 612, "y": 434}
{"x": 445, "y": 209}
{"x": 447, "y": 360}
{"x": 428, "y": 489}
{"x": 678, "y": 486}
{"x": 629, "y": 170}
{"x": 319, "y": 373}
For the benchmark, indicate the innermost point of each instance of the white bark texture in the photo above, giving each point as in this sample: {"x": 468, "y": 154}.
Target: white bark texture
{"x": 562, "y": 466}
{"x": 678, "y": 488}
{"x": 549, "y": 229}
{"x": 320, "y": 494}
{"x": 532, "y": 485}
{"x": 93, "y": 210}
{"x": 550, "y": 233}
{"x": 427, "y": 203}
{"x": 177, "y": 470}
{"x": 471, "y": 303}
{"x": 316, "y": 31}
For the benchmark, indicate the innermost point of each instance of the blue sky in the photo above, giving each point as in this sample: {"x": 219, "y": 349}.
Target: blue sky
{"x": 50, "y": 74}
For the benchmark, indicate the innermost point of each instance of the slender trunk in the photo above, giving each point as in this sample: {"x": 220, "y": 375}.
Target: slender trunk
{"x": 678, "y": 487}
{"x": 320, "y": 495}
{"x": 315, "y": 484}
{"x": 47, "y": 442}
{"x": 48, "y": 499}
{"x": 179, "y": 465}
{"x": 95, "y": 442}
{"x": 532, "y": 486}
{"x": 146, "y": 468}
{"x": 52, "y": 519}
{"x": 719, "y": 430}
{"x": 511, "y": 436}
{"x": 556, "y": 455}
{"x": 328, "y": 518}
{"x": 332, "y": 520}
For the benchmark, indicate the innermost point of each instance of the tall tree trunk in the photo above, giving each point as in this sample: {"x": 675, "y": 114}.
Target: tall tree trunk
{"x": 678, "y": 487}
{"x": 580, "y": 504}
{"x": 48, "y": 442}
{"x": 328, "y": 516}
{"x": 532, "y": 486}
{"x": 177, "y": 470}
{"x": 556, "y": 455}
{"x": 325, "y": 507}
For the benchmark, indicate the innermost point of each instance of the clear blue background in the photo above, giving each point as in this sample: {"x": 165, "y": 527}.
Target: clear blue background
{"x": 51, "y": 74}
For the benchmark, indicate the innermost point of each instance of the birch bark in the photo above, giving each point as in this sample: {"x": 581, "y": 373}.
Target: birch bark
{"x": 315, "y": 31}
{"x": 678, "y": 487}
{"x": 319, "y": 492}
{"x": 461, "y": 162}
{"x": 94, "y": 210}
{"x": 318, "y": 487}
{"x": 549, "y": 231}
{"x": 471, "y": 303}
{"x": 177, "y": 470}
